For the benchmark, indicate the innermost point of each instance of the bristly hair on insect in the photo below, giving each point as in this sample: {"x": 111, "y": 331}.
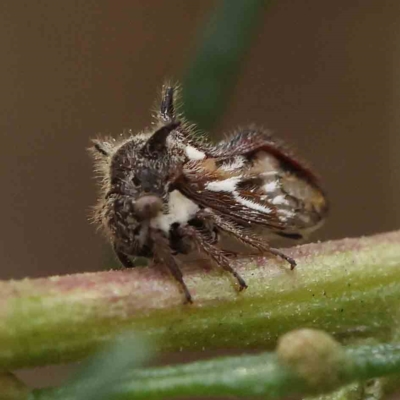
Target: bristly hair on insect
{"x": 165, "y": 192}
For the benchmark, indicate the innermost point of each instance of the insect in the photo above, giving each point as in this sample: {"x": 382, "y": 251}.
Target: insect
{"x": 166, "y": 192}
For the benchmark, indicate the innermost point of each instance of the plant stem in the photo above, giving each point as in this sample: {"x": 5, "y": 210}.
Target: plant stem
{"x": 349, "y": 288}
{"x": 11, "y": 388}
{"x": 247, "y": 376}
{"x": 222, "y": 48}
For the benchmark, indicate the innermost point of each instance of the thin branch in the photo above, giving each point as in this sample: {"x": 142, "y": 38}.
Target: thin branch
{"x": 268, "y": 375}
{"x": 221, "y": 51}
{"x": 350, "y": 288}
{"x": 11, "y": 388}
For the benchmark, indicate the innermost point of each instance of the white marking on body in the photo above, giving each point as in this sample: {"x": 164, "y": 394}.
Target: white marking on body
{"x": 226, "y": 185}
{"x": 271, "y": 186}
{"x": 280, "y": 199}
{"x": 181, "y": 210}
{"x": 193, "y": 153}
{"x": 237, "y": 163}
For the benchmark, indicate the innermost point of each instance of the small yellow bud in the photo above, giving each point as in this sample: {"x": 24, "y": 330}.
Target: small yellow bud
{"x": 314, "y": 356}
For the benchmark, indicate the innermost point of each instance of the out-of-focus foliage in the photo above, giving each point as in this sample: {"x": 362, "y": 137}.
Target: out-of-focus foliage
{"x": 222, "y": 49}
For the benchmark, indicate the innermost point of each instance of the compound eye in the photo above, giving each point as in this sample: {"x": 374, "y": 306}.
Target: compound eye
{"x": 136, "y": 181}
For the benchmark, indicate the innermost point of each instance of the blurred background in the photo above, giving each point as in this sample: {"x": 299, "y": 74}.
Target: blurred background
{"x": 323, "y": 75}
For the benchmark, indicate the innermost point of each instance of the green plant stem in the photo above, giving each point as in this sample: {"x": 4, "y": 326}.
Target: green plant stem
{"x": 222, "y": 48}
{"x": 99, "y": 376}
{"x": 349, "y": 288}
{"x": 11, "y": 388}
{"x": 354, "y": 391}
{"x": 262, "y": 375}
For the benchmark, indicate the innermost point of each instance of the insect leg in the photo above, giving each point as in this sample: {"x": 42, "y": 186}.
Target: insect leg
{"x": 167, "y": 108}
{"x": 231, "y": 253}
{"x": 278, "y": 253}
{"x": 243, "y": 236}
{"x": 162, "y": 253}
{"x": 213, "y": 252}
{"x": 123, "y": 258}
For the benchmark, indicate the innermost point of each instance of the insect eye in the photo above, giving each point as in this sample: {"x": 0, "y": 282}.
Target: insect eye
{"x": 136, "y": 181}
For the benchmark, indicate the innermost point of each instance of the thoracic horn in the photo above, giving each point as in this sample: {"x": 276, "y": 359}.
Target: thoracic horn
{"x": 156, "y": 143}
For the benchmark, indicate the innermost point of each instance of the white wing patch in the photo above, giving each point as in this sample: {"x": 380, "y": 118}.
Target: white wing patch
{"x": 194, "y": 154}
{"x": 229, "y": 185}
{"x": 285, "y": 214}
{"x": 226, "y": 185}
{"x": 271, "y": 186}
{"x": 279, "y": 199}
{"x": 237, "y": 163}
{"x": 251, "y": 204}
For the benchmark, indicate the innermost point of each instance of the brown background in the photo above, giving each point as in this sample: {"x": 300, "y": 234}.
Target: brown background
{"x": 324, "y": 74}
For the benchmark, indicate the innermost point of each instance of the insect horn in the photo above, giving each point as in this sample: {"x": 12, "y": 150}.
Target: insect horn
{"x": 167, "y": 108}
{"x": 156, "y": 143}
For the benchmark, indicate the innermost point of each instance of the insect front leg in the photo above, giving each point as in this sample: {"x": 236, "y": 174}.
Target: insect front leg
{"x": 217, "y": 255}
{"x": 123, "y": 258}
{"x": 127, "y": 252}
{"x": 163, "y": 255}
{"x": 240, "y": 234}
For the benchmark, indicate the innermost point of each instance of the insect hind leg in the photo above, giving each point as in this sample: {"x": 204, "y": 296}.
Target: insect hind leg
{"x": 217, "y": 255}
{"x": 241, "y": 235}
{"x": 278, "y": 253}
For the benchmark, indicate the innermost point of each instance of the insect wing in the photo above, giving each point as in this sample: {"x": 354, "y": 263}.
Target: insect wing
{"x": 258, "y": 189}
